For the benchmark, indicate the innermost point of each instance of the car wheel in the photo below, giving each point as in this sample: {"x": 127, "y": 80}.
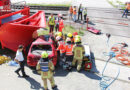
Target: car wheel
{"x": 0, "y": 46}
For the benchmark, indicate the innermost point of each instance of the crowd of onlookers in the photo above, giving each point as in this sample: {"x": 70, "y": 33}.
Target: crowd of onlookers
{"x": 82, "y": 13}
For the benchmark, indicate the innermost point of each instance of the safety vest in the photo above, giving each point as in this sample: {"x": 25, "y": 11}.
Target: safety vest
{"x": 61, "y": 25}
{"x": 128, "y": 6}
{"x": 51, "y": 21}
{"x": 78, "y": 52}
{"x": 85, "y": 12}
{"x": 71, "y": 10}
{"x": 44, "y": 66}
{"x": 68, "y": 49}
{"x": 61, "y": 47}
{"x": 74, "y": 11}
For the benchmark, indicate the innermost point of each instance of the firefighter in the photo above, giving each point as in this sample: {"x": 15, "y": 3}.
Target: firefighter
{"x": 57, "y": 22}
{"x": 68, "y": 54}
{"x": 59, "y": 34}
{"x": 47, "y": 70}
{"x": 78, "y": 51}
{"x": 51, "y": 23}
{"x": 77, "y": 37}
{"x": 61, "y": 48}
{"x": 69, "y": 35}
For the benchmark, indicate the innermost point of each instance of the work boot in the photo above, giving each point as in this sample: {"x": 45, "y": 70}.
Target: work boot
{"x": 25, "y": 76}
{"x": 54, "y": 88}
{"x": 17, "y": 73}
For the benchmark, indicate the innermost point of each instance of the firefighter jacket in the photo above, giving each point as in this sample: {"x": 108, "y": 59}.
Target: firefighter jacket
{"x": 78, "y": 51}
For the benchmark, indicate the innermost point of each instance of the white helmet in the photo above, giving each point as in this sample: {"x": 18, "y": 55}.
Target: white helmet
{"x": 58, "y": 38}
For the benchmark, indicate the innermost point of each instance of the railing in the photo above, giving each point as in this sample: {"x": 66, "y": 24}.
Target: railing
{"x": 5, "y": 9}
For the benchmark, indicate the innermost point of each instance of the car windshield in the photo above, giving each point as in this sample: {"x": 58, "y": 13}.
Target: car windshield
{"x": 38, "y": 49}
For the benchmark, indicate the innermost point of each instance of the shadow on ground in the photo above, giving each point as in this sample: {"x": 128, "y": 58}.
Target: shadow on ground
{"x": 91, "y": 23}
{"x": 94, "y": 69}
{"x": 60, "y": 72}
{"x": 91, "y": 75}
{"x": 34, "y": 84}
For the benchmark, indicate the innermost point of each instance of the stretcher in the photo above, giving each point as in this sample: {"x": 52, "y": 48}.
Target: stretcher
{"x": 93, "y": 30}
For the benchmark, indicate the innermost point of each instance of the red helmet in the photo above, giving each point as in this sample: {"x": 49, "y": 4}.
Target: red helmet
{"x": 75, "y": 33}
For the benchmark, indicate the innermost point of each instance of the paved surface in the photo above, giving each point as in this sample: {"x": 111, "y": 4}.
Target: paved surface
{"x": 64, "y": 80}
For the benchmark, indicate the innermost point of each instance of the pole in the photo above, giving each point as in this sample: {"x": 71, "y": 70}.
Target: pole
{"x": 87, "y": 22}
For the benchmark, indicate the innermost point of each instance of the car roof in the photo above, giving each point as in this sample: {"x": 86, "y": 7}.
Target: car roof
{"x": 42, "y": 41}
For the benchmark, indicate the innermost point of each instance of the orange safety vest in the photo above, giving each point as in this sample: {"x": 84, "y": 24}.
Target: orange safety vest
{"x": 74, "y": 11}
{"x": 68, "y": 49}
{"x": 61, "y": 25}
{"x": 61, "y": 47}
{"x": 71, "y": 10}
{"x": 128, "y": 6}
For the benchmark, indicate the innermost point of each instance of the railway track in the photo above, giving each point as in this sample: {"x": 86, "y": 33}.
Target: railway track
{"x": 59, "y": 8}
{"x": 47, "y": 9}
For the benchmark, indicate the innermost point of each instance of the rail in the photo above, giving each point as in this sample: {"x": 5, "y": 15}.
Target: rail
{"x": 60, "y": 8}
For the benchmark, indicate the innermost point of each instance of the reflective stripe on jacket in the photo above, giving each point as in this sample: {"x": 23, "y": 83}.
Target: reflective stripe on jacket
{"x": 44, "y": 66}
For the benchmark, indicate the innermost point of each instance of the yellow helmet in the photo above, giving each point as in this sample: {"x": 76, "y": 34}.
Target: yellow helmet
{"x": 59, "y": 34}
{"x": 77, "y": 40}
{"x": 44, "y": 54}
{"x": 69, "y": 35}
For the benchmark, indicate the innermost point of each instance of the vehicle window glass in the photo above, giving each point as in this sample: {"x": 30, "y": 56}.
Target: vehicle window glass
{"x": 42, "y": 47}
{"x": 38, "y": 49}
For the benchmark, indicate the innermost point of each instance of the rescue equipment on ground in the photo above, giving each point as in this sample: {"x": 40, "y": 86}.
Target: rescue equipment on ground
{"x": 4, "y": 59}
{"x": 106, "y": 81}
{"x": 87, "y": 61}
{"x": 93, "y": 30}
{"x": 122, "y": 54}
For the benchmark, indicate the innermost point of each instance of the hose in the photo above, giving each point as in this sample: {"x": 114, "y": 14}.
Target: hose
{"x": 104, "y": 79}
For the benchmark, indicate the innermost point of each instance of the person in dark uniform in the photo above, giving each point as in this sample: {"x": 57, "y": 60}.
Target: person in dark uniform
{"x": 20, "y": 60}
{"x": 80, "y": 11}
